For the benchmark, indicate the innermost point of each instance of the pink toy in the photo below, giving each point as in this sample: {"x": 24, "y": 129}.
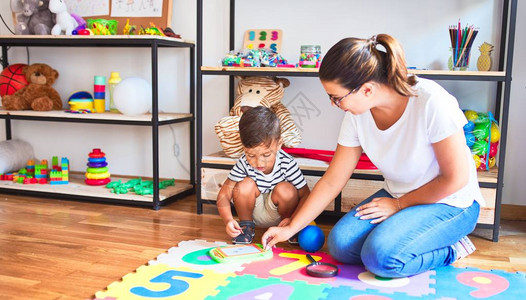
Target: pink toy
{"x": 326, "y": 155}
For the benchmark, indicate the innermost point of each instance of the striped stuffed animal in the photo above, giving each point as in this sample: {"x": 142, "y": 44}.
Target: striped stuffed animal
{"x": 252, "y": 92}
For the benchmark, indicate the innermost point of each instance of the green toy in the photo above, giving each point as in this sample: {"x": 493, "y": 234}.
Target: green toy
{"x": 138, "y": 186}
{"x": 239, "y": 253}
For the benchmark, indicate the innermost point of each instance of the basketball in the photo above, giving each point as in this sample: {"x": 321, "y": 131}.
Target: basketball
{"x": 12, "y": 79}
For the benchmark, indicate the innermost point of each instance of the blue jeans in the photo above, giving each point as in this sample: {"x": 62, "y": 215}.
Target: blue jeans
{"x": 412, "y": 241}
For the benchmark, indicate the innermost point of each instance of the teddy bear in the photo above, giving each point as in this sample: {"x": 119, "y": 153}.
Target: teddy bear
{"x": 32, "y": 16}
{"x": 38, "y": 94}
{"x": 254, "y": 91}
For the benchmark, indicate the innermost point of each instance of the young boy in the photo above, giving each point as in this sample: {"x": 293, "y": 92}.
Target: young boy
{"x": 266, "y": 185}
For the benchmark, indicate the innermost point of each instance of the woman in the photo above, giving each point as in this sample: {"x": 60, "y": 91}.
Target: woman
{"x": 412, "y": 130}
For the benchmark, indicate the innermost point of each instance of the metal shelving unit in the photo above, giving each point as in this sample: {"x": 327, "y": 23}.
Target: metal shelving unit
{"x": 76, "y": 190}
{"x": 491, "y": 180}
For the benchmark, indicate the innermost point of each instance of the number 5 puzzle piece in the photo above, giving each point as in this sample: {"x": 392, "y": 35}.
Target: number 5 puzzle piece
{"x": 161, "y": 281}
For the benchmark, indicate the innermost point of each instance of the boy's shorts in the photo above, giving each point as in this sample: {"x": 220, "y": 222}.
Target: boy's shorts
{"x": 265, "y": 212}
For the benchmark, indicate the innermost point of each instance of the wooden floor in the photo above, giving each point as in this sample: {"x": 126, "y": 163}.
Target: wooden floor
{"x": 52, "y": 249}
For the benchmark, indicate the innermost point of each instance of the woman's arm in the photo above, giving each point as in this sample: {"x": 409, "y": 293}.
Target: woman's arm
{"x": 454, "y": 175}
{"x": 327, "y": 188}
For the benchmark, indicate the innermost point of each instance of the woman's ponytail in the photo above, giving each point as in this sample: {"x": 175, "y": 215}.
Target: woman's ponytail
{"x": 351, "y": 62}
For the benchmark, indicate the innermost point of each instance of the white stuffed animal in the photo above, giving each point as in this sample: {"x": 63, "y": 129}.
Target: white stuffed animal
{"x": 65, "y": 23}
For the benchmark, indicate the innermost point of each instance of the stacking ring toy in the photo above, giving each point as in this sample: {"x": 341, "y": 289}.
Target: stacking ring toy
{"x": 97, "y": 164}
{"x": 98, "y": 176}
{"x": 96, "y": 153}
{"x": 97, "y": 170}
{"x": 97, "y": 160}
{"x": 97, "y": 181}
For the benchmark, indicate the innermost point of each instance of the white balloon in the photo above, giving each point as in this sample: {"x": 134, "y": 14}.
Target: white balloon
{"x": 133, "y": 96}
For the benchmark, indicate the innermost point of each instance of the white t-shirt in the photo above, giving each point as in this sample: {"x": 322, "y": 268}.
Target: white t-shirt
{"x": 404, "y": 152}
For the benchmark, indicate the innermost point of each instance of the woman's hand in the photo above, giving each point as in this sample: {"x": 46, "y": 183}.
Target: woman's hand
{"x": 284, "y": 222}
{"x": 275, "y": 235}
{"x": 233, "y": 229}
{"x": 379, "y": 209}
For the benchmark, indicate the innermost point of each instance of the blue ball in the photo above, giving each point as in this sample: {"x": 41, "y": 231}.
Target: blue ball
{"x": 469, "y": 126}
{"x": 470, "y": 139}
{"x": 311, "y": 238}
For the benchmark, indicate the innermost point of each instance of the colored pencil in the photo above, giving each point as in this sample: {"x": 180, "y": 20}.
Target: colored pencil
{"x": 461, "y": 41}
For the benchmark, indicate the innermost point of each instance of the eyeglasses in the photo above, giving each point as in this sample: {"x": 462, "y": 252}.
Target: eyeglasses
{"x": 338, "y": 100}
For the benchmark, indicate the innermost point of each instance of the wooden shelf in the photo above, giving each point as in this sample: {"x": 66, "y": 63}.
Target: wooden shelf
{"x": 312, "y": 72}
{"x": 465, "y": 73}
{"x": 304, "y": 163}
{"x": 93, "y": 40}
{"x": 77, "y": 187}
{"x": 105, "y": 117}
{"x": 354, "y": 192}
{"x": 260, "y": 69}
{"x": 307, "y": 164}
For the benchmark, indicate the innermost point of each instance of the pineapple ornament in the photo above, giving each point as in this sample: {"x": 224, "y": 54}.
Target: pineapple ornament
{"x": 484, "y": 61}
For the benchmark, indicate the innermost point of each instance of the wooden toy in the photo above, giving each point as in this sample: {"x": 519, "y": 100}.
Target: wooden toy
{"x": 484, "y": 61}
{"x": 263, "y": 38}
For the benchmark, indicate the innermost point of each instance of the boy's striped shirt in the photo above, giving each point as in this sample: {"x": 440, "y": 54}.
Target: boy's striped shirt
{"x": 285, "y": 169}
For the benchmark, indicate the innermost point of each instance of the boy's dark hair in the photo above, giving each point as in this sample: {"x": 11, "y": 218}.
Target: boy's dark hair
{"x": 257, "y": 126}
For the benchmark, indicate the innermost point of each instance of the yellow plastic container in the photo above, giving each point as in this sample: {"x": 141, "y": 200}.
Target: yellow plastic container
{"x": 100, "y": 105}
{"x": 112, "y": 82}
{"x": 80, "y": 105}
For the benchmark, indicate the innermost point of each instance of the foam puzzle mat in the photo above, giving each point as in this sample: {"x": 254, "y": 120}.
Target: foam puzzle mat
{"x": 187, "y": 272}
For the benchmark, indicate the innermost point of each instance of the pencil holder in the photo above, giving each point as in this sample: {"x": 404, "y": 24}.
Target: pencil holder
{"x": 459, "y": 59}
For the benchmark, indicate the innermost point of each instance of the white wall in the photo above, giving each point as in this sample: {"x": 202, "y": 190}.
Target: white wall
{"x": 420, "y": 25}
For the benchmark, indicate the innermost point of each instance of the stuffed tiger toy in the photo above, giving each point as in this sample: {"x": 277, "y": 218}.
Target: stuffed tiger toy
{"x": 252, "y": 92}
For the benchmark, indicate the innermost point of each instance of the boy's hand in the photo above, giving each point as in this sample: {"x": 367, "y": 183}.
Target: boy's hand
{"x": 233, "y": 229}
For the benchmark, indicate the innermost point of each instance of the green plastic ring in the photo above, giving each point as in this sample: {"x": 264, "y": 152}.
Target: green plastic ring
{"x": 97, "y": 170}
